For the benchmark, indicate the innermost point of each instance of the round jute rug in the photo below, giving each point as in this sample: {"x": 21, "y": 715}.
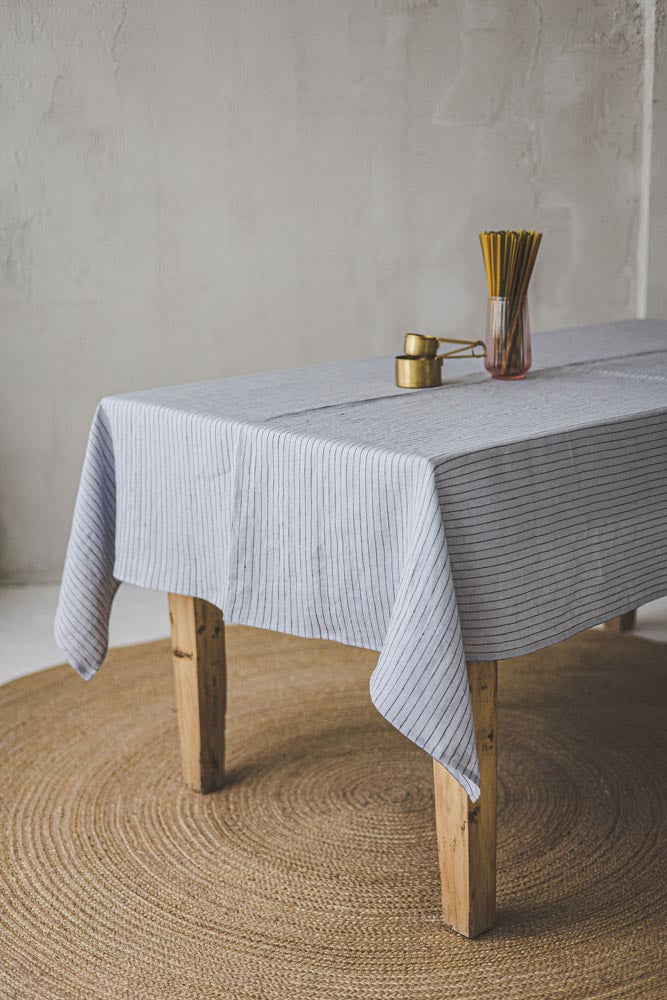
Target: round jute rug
{"x": 313, "y": 874}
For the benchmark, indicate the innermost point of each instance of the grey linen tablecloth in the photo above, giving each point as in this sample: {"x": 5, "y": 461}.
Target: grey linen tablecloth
{"x": 480, "y": 519}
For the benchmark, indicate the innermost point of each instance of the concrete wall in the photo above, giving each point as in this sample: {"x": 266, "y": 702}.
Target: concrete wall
{"x": 203, "y": 188}
{"x": 656, "y": 200}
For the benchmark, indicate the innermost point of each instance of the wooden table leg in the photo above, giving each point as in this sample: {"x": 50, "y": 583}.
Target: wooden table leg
{"x": 624, "y": 623}
{"x": 198, "y": 649}
{"x": 466, "y": 831}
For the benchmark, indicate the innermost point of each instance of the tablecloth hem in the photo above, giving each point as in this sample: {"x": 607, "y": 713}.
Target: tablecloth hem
{"x": 468, "y": 779}
{"x": 599, "y": 618}
{"x": 85, "y": 672}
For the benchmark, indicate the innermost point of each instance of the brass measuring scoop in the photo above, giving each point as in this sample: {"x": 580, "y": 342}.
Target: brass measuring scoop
{"x": 420, "y": 367}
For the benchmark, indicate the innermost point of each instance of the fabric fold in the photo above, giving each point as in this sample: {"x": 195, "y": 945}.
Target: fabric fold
{"x": 88, "y": 584}
{"x": 420, "y": 683}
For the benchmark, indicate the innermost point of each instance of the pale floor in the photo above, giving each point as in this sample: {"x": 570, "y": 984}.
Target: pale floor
{"x": 26, "y": 624}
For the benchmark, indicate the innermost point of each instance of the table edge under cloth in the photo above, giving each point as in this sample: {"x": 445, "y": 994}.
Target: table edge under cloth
{"x": 94, "y": 569}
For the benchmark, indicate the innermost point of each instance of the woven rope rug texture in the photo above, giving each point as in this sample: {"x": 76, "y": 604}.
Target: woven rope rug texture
{"x": 314, "y": 873}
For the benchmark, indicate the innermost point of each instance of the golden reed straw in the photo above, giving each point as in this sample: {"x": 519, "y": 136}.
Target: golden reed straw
{"x": 509, "y": 258}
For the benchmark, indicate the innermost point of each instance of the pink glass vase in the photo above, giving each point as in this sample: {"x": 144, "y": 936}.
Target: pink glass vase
{"x": 507, "y": 341}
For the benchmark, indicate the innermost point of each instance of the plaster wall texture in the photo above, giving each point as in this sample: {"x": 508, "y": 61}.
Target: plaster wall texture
{"x": 190, "y": 190}
{"x": 657, "y": 196}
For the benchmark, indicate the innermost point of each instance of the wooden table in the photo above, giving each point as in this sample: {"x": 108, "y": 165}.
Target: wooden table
{"x": 475, "y": 521}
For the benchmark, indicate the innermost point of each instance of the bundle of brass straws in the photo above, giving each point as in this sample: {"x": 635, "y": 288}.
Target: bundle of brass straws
{"x": 509, "y": 258}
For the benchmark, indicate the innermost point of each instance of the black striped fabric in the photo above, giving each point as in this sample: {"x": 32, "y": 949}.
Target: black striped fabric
{"x": 479, "y": 520}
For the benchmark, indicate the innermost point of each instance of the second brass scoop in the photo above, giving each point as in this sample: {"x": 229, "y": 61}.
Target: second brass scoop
{"x": 420, "y": 367}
